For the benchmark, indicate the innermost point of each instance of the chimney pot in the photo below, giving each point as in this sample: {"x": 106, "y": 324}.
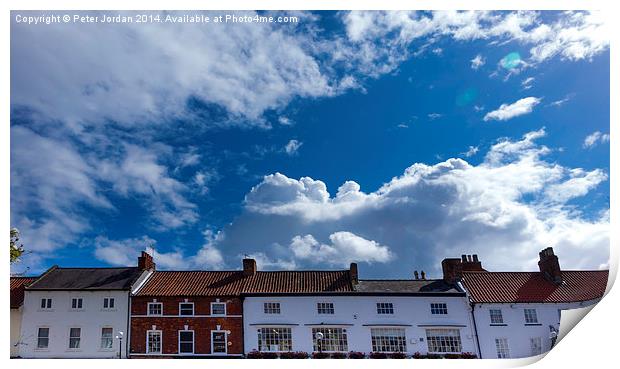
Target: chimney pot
{"x": 464, "y": 258}
{"x": 422, "y": 275}
{"x": 249, "y": 267}
{"x": 415, "y": 274}
{"x": 475, "y": 258}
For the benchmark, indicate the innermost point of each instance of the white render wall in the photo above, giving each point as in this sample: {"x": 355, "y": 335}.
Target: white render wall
{"x": 515, "y": 329}
{"x": 91, "y": 319}
{"x": 357, "y": 310}
{"x": 16, "y": 323}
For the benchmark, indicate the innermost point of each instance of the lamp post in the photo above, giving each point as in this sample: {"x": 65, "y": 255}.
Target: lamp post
{"x": 119, "y": 337}
{"x": 319, "y": 339}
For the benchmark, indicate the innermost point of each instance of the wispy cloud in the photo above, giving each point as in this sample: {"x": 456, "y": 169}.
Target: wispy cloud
{"x": 477, "y": 62}
{"x": 509, "y": 111}
{"x": 594, "y": 139}
{"x": 434, "y": 116}
{"x": 471, "y": 151}
{"x": 292, "y": 147}
{"x": 558, "y": 103}
{"x": 527, "y": 83}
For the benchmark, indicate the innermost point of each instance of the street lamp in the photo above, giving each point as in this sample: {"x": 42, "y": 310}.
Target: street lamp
{"x": 119, "y": 337}
{"x": 319, "y": 339}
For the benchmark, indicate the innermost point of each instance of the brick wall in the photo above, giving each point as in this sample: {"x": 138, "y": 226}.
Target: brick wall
{"x": 171, "y": 323}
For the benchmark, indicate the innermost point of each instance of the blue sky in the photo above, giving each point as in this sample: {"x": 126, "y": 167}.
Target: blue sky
{"x": 391, "y": 139}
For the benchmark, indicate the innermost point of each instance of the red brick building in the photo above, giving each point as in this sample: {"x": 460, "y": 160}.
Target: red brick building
{"x": 189, "y": 313}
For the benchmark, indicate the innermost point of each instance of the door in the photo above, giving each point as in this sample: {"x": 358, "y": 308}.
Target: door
{"x": 219, "y": 343}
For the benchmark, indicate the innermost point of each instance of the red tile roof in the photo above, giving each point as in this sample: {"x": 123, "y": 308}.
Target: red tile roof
{"x": 512, "y": 287}
{"x": 17, "y": 290}
{"x": 233, "y": 283}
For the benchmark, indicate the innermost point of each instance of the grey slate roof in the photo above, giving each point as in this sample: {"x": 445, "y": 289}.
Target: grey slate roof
{"x": 86, "y": 279}
{"x": 405, "y": 286}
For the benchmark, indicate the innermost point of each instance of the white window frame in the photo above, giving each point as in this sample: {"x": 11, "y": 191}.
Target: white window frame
{"x": 161, "y": 341}
{"x": 111, "y": 338}
{"x": 39, "y": 337}
{"x": 501, "y": 316}
{"x": 528, "y": 317}
{"x": 108, "y": 300}
{"x": 74, "y": 337}
{"x": 48, "y": 303}
{"x": 386, "y": 306}
{"x": 179, "y": 342}
{"x": 187, "y": 303}
{"x": 342, "y": 337}
{"x": 225, "y": 342}
{"x": 502, "y": 348}
{"x": 438, "y": 308}
{"x": 325, "y": 308}
{"x": 79, "y": 303}
{"x": 385, "y": 332}
{"x": 218, "y": 303}
{"x": 441, "y": 344}
{"x": 271, "y": 309}
{"x": 262, "y": 338}
{"x": 161, "y": 308}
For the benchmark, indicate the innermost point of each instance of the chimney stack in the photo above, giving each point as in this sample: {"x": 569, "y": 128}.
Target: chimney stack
{"x": 453, "y": 268}
{"x": 249, "y": 267}
{"x": 549, "y": 265}
{"x": 353, "y": 274}
{"x": 145, "y": 261}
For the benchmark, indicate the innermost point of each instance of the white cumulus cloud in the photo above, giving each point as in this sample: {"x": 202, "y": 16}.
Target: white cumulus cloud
{"x": 594, "y": 139}
{"x": 509, "y": 111}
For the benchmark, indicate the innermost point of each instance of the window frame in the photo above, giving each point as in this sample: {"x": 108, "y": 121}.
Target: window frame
{"x": 179, "y": 341}
{"x": 39, "y": 337}
{"x": 540, "y": 345}
{"x": 187, "y": 303}
{"x": 438, "y": 308}
{"x": 111, "y": 339}
{"x": 528, "y": 317}
{"x": 325, "y": 308}
{"x": 161, "y": 308}
{"x": 374, "y": 338}
{"x": 218, "y": 303}
{"x": 110, "y": 301}
{"x": 502, "y": 343}
{"x": 161, "y": 340}
{"x": 225, "y": 342}
{"x": 79, "y": 338}
{"x": 77, "y": 303}
{"x": 272, "y": 310}
{"x": 261, "y": 337}
{"x": 339, "y": 339}
{"x": 384, "y": 308}
{"x": 46, "y": 302}
{"x": 442, "y": 340}
{"x": 492, "y": 316}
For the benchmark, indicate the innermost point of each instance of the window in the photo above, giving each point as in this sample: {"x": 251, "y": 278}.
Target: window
{"x": 74, "y": 338}
{"x": 186, "y": 308}
{"x": 153, "y": 342}
{"x": 218, "y": 342}
{"x": 275, "y": 339}
{"x": 218, "y": 308}
{"x": 154, "y": 308}
{"x": 106, "y": 338}
{"x": 76, "y": 303}
{"x": 439, "y": 309}
{"x": 108, "y": 303}
{"x": 385, "y": 308}
{"x": 46, "y": 303}
{"x": 325, "y": 307}
{"x": 536, "y": 345}
{"x": 388, "y": 339}
{"x": 186, "y": 342}
{"x": 530, "y": 316}
{"x": 271, "y": 307}
{"x": 334, "y": 339}
{"x": 501, "y": 344}
{"x": 496, "y": 316}
{"x": 443, "y": 340}
{"x": 43, "y": 338}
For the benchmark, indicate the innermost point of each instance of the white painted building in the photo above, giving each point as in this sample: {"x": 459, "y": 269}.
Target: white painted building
{"x": 424, "y": 316}
{"x": 79, "y": 312}
{"x": 517, "y": 314}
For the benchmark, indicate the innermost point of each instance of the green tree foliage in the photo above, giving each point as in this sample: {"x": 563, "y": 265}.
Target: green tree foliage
{"x": 17, "y": 249}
